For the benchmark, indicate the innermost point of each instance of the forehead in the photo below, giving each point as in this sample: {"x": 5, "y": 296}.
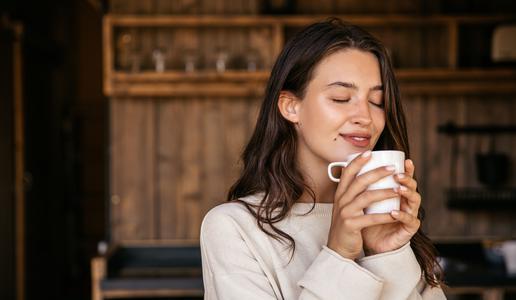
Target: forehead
{"x": 349, "y": 65}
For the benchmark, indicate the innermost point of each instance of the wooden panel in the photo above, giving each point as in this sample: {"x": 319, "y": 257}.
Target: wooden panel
{"x": 482, "y": 111}
{"x": 171, "y": 133}
{"x": 413, "y": 108}
{"x": 191, "y": 180}
{"x": 436, "y": 166}
{"x": 215, "y": 167}
{"x": 414, "y": 46}
{"x": 10, "y": 118}
{"x": 372, "y": 6}
{"x": 435, "y": 176}
{"x": 198, "y": 146}
{"x": 132, "y": 169}
{"x": 236, "y": 135}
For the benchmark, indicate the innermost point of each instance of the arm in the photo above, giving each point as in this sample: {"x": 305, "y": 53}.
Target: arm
{"x": 233, "y": 269}
{"x": 401, "y": 273}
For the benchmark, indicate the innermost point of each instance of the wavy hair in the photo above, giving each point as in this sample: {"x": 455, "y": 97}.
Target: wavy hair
{"x": 269, "y": 159}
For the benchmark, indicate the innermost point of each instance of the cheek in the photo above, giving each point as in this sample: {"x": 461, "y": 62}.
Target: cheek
{"x": 314, "y": 115}
{"x": 379, "y": 121}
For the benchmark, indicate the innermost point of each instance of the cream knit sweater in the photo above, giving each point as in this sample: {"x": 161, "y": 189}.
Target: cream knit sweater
{"x": 241, "y": 262}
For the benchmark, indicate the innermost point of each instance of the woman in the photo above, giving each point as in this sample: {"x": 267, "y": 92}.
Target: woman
{"x": 288, "y": 232}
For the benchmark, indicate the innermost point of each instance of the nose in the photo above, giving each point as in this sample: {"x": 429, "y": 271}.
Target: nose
{"x": 361, "y": 114}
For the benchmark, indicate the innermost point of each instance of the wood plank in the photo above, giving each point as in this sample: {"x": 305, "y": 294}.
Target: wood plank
{"x": 214, "y": 170}
{"x": 170, "y": 135}
{"x": 252, "y": 90}
{"x": 132, "y": 169}
{"x": 188, "y": 90}
{"x": 297, "y": 20}
{"x": 453, "y": 44}
{"x": 413, "y": 109}
{"x": 19, "y": 159}
{"x": 107, "y": 52}
{"x": 164, "y": 7}
{"x": 481, "y": 111}
{"x": 408, "y": 75}
{"x": 98, "y": 272}
{"x": 436, "y": 166}
{"x": 191, "y": 181}
{"x": 236, "y": 136}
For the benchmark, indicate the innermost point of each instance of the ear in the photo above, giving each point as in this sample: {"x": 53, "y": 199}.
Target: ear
{"x": 289, "y": 106}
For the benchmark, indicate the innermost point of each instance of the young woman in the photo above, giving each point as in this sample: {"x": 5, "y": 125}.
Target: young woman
{"x": 288, "y": 232}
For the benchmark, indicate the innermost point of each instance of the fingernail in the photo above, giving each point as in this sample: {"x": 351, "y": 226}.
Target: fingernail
{"x": 395, "y": 213}
{"x": 411, "y": 162}
{"x": 403, "y": 188}
{"x": 367, "y": 153}
{"x": 390, "y": 168}
{"x": 400, "y": 175}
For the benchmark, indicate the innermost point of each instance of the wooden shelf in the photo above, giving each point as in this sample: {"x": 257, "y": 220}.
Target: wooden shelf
{"x": 456, "y": 82}
{"x": 445, "y": 80}
{"x": 295, "y": 20}
{"x": 243, "y": 84}
{"x": 149, "y": 76}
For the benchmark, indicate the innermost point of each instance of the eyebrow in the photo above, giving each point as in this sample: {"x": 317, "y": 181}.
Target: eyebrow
{"x": 351, "y": 85}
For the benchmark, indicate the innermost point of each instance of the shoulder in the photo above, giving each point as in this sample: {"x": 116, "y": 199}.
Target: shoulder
{"x": 229, "y": 217}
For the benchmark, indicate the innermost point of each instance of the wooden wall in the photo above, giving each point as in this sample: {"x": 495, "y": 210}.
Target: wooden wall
{"x": 172, "y": 159}
{"x": 432, "y": 153}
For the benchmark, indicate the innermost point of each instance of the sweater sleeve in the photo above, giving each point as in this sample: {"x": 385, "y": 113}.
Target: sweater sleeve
{"x": 401, "y": 274}
{"x": 231, "y": 270}
{"x": 332, "y": 276}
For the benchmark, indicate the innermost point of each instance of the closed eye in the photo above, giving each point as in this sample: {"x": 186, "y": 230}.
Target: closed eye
{"x": 340, "y": 100}
{"x": 377, "y": 105}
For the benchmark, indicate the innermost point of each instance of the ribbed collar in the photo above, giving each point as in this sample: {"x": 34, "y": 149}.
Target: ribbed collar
{"x": 320, "y": 209}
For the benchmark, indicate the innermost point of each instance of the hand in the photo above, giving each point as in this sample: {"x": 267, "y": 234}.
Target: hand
{"x": 389, "y": 237}
{"x": 351, "y": 198}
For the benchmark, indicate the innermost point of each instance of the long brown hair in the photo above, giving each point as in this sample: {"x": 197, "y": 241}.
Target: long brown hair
{"x": 269, "y": 158}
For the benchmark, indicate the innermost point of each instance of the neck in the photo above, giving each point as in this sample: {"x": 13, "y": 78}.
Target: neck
{"x": 315, "y": 173}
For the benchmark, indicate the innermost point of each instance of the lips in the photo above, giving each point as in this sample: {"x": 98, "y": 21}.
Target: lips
{"x": 357, "y": 139}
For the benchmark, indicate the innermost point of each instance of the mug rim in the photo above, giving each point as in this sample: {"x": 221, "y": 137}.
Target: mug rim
{"x": 353, "y": 155}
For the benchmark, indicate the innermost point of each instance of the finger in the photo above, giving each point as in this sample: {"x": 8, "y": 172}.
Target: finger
{"x": 369, "y": 197}
{"x": 410, "y": 222}
{"x": 351, "y": 171}
{"x": 406, "y": 180}
{"x": 413, "y": 199}
{"x": 361, "y": 182}
{"x": 409, "y": 167}
{"x": 361, "y": 222}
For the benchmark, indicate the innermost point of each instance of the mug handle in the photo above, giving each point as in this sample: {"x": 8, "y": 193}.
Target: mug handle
{"x": 342, "y": 164}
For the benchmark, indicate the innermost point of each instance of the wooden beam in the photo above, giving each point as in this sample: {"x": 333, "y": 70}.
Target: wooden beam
{"x": 19, "y": 167}
{"x": 107, "y": 53}
{"x": 98, "y": 273}
{"x": 299, "y": 20}
{"x": 453, "y": 44}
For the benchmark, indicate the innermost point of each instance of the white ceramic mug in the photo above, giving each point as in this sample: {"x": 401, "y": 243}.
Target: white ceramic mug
{"x": 378, "y": 159}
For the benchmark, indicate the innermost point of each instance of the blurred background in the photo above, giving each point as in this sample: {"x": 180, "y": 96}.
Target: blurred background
{"x": 122, "y": 122}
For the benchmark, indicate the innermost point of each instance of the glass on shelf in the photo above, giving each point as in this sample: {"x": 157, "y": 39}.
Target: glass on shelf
{"x": 128, "y": 55}
{"x": 252, "y": 58}
{"x": 190, "y": 60}
{"x": 221, "y": 60}
{"x": 124, "y": 45}
{"x": 158, "y": 57}
{"x": 136, "y": 61}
